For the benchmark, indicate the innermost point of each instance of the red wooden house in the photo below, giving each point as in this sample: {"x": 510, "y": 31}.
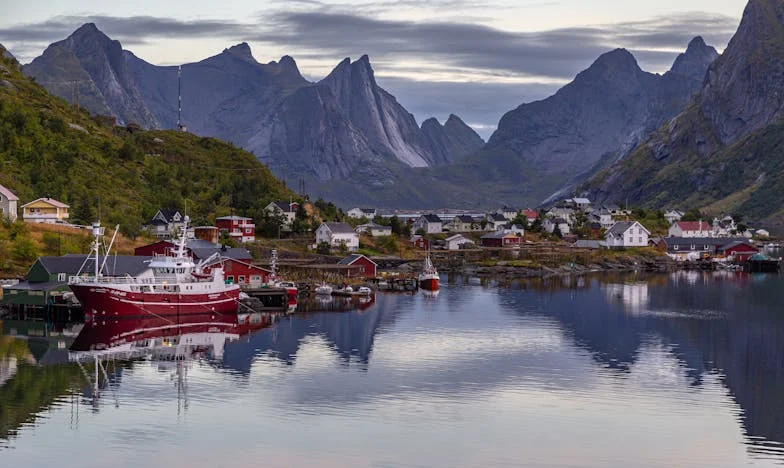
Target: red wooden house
{"x": 244, "y": 274}
{"x": 741, "y": 251}
{"x": 238, "y": 228}
{"x": 501, "y": 239}
{"x": 420, "y": 242}
{"x": 368, "y": 269}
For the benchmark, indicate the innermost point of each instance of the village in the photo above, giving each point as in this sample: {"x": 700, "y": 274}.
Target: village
{"x": 364, "y": 245}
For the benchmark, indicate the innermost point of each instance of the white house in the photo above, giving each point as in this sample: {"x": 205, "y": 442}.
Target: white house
{"x": 579, "y": 203}
{"x": 374, "y": 230}
{"x": 288, "y": 210}
{"x": 463, "y": 223}
{"x": 508, "y": 212}
{"x": 673, "y": 216}
{"x": 455, "y": 242}
{"x": 627, "y": 234}
{"x": 359, "y": 213}
{"x": 337, "y": 234}
{"x": 549, "y": 225}
{"x": 724, "y": 227}
{"x": 430, "y": 223}
{"x": 510, "y": 228}
{"x": 166, "y": 223}
{"x": 691, "y": 229}
{"x": 8, "y": 202}
{"x": 561, "y": 212}
{"x": 495, "y": 221}
{"x": 603, "y": 217}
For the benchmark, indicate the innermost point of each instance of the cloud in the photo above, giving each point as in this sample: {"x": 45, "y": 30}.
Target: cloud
{"x": 434, "y": 67}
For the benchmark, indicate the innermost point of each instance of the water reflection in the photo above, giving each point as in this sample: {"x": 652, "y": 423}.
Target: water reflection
{"x": 583, "y": 359}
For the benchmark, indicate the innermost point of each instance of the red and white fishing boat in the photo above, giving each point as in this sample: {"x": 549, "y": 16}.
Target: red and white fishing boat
{"x": 173, "y": 285}
{"x": 428, "y": 279}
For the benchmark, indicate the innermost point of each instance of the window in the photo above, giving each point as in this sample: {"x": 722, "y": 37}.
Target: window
{"x": 676, "y": 247}
{"x": 60, "y": 276}
{"x": 241, "y": 279}
{"x": 706, "y": 247}
{"x": 230, "y": 278}
{"x": 639, "y": 240}
{"x": 693, "y": 247}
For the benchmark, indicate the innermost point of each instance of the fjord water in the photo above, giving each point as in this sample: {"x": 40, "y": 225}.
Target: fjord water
{"x": 624, "y": 370}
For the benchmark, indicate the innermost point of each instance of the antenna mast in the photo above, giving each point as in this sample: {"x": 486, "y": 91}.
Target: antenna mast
{"x": 180, "y": 126}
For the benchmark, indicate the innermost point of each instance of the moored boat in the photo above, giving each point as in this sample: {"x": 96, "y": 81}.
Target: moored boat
{"x": 324, "y": 289}
{"x": 290, "y": 287}
{"x": 429, "y": 278}
{"x": 173, "y": 285}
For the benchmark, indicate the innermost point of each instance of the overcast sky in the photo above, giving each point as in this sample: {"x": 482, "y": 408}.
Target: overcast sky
{"x": 477, "y": 59}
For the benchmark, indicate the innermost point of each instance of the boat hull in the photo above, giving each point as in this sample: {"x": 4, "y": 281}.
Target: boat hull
{"x": 107, "y": 302}
{"x": 429, "y": 283}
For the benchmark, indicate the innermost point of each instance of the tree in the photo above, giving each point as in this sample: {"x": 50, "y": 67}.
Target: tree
{"x": 83, "y": 213}
{"x": 300, "y": 224}
{"x": 323, "y": 248}
{"x": 270, "y": 224}
{"x": 557, "y": 232}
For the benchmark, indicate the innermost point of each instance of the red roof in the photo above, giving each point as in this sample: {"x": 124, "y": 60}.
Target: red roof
{"x": 694, "y": 226}
{"x": 530, "y": 214}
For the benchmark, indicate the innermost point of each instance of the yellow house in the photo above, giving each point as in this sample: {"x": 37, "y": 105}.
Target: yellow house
{"x": 45, "y": 210}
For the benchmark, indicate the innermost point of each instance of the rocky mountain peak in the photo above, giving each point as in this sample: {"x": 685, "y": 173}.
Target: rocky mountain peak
{"x": 744, "y": 88}
{"x": 241, "y": 51}
{"x": 696, "y": 60}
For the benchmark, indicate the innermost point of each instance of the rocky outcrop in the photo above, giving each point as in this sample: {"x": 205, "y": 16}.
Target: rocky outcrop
{"x": 724, "y": 149}
{"x": 387, "y": 126}
{"x": 7, "y": 54}
{"x": 90, "y": 67}
{"x": 451, "y": 141}
{"x": 744, "y": 90}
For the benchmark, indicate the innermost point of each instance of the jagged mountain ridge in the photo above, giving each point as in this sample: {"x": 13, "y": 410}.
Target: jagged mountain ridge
{"x": 94, "y": 65}
{"x": 724, "y": 151}
{"x": 303, "y": 130}
{"x": 604, "y": 113}
{"x": 453, "y": 140}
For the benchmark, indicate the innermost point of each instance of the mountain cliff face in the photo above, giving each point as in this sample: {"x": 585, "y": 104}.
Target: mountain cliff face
{"x": 724, "y": 151}
{"x": 91, "y": 67}
{"x": 605, "y": 112}
{"x": 343, "y": 127}
{"x": 5, "y": 53}
{"x": 451, "y": 141}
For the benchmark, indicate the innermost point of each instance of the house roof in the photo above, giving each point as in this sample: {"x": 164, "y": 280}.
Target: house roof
{"x": 622, "y": 226}
{"x": 236, "y": 253}
{"x": 353, "y": 258}
{"x": 464, "y": 219}
{"x": 115, "y": 265}
{"x": 496, "y": 217}
{"x": 456, "y": 237}
{"x": 713, "y": 241}
{"x": 589, "y": 244}
{"x": 233, "y": 218}
{"x": 368, "y": 210}
{"x": 249, "y": 265}
{"x": 8, "y": 194}
{"x": 432, "y": 218}
{"x": 694, "y": 225}
{"x": 529, "y": 213}
{"x": 557, "y": 220}
{"x": 581, "y": 201}
{"x": 168, "y": 213}
{"x": 158, "y": 222}
{"x": 286, "y": 207}
{"x": 28, "y": 286}
{"x": 737, "y": 243}
{"x": 51, "y": 201}
{"x": 498, "y": 235}
{"x": 339, "y": 228}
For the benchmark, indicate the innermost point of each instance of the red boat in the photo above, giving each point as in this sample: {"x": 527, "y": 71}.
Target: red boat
{"x": 172, "y": 285}
{"x": 429, "y": 278}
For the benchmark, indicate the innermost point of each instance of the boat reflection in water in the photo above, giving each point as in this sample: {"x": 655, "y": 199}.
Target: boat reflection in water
{"x": 170, "y": 344}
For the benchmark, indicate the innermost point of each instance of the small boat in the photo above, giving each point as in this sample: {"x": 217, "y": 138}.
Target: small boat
{"x": 429, "y": 278}
{"x": 324, "y": 289}
{"x": 364, "y": 291}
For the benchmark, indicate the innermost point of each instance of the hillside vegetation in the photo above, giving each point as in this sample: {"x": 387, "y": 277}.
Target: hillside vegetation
{"x": 48, "y": 148}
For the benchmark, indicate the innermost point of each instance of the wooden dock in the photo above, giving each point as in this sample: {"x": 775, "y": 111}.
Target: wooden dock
{"x": 265, "y": 300}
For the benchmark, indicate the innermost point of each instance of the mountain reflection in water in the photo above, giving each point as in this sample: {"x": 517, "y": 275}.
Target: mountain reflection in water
{"x": 639, "y": 370}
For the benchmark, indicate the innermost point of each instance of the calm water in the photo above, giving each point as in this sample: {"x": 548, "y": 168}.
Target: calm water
{"x": 665, "y": 371}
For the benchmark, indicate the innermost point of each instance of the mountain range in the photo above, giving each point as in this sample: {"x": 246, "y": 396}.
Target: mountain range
{"x": 725, "y": 150}
{"x": 348, "y": 139}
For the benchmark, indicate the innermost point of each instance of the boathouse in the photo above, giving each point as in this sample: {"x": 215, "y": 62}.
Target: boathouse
{"x": 740, "y": 251}
{"x": 244, "y": 273}
{"x": 501, "y": 239}
{"x": 368, "y": 269}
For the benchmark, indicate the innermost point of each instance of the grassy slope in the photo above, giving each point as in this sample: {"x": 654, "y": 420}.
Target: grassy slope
{"x": 125, "y": 176}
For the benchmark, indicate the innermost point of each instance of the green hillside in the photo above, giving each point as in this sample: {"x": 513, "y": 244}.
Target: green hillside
{"x": 47, "y": 148}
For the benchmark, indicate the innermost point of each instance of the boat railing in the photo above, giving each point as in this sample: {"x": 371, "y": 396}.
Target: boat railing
{"x": 110, "y": 279}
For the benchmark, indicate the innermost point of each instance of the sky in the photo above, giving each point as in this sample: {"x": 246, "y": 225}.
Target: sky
{"x": 477, "y": 59}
